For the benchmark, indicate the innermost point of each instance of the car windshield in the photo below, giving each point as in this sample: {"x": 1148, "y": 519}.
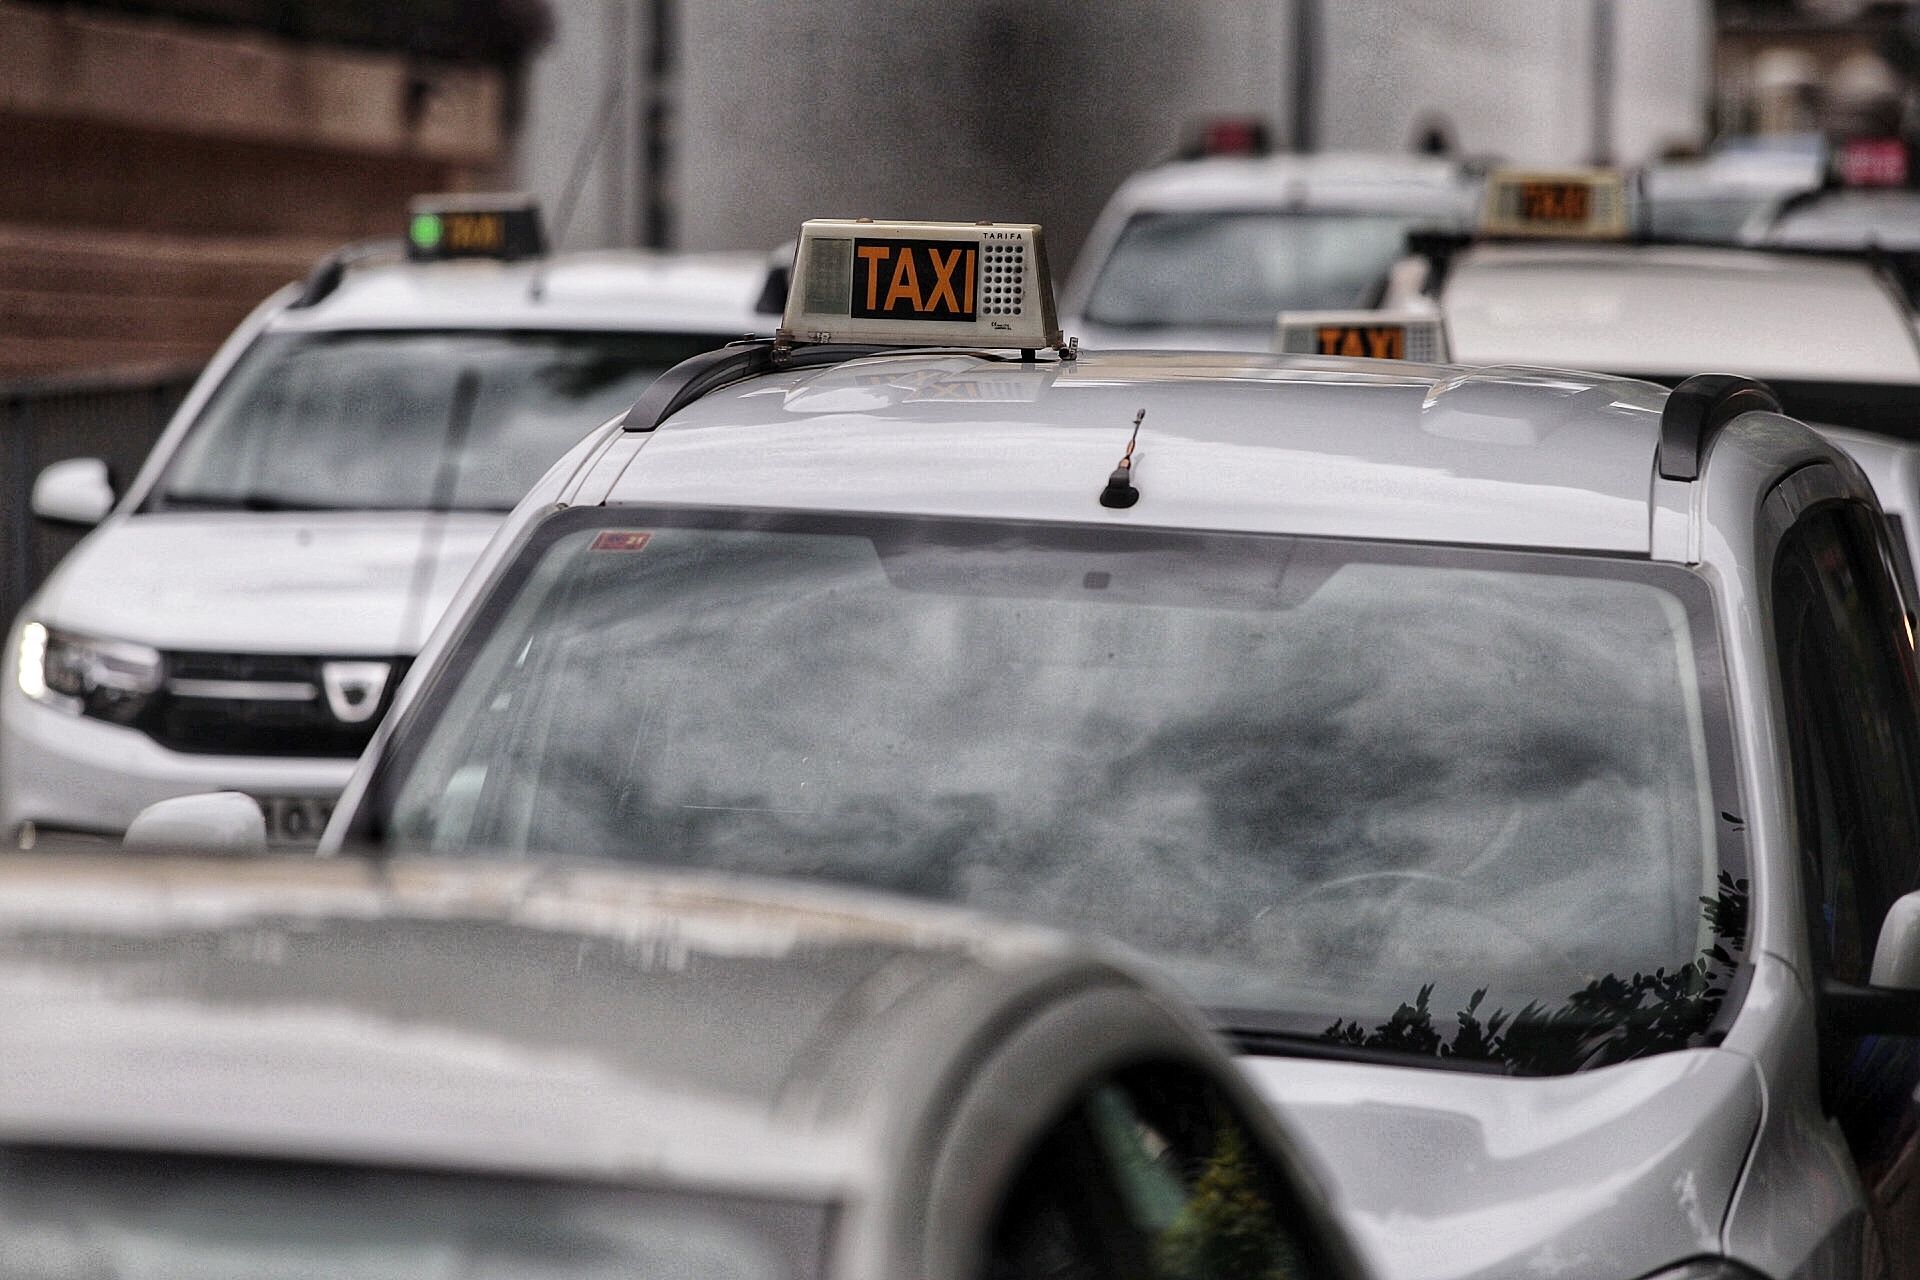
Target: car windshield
{"x": 367, "y": 420}
{"x": 1239, "y": 268}
{"x": 110, "y": 1215}
{"x": 1318, "y": 784}
{"x": 1715, "y": 219}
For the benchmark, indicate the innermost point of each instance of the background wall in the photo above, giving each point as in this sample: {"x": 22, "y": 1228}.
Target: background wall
{"x": 1038, "y": 108}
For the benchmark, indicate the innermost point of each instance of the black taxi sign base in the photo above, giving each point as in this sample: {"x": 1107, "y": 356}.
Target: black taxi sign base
{"x": 1371, "y": 335}
{"x": 918, "y": 284}
{"x": 502, "y": 227}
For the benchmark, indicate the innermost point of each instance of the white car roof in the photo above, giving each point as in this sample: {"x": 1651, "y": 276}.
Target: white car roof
{"x": 1330, "y": 180}
{"x": 612, "y": 290}
{"x": 1344, "y": 448}
{"x": 1664, "y": 311}
{"x": 1732, "y": 174}
{"x": 585, "y": 1021}
{"x": 1848, "y": 219}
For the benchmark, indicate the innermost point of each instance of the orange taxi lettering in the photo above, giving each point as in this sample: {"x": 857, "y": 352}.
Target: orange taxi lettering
{"x": 906, "y": 284}
{"x": 873, "y": 255}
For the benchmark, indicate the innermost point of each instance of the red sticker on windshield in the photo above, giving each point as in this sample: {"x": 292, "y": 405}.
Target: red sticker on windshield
{"x": 621, "y": 540}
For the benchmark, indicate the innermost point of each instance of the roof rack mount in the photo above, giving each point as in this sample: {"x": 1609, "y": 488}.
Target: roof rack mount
{"x": 1698, "y": 408}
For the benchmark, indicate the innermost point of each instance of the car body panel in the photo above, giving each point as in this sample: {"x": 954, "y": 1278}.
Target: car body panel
{"x": 1228, "y": 442}
{"x": 349, "y": 582}
{"x": 1615, "y": 1172}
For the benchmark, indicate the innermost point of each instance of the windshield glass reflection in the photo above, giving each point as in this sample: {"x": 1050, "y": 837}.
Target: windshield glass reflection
{"x": 1305, "y": 778}
{"x": 368, "y": 420}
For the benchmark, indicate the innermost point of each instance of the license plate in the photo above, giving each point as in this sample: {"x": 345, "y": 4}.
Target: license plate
{"x": 295, "y": 820}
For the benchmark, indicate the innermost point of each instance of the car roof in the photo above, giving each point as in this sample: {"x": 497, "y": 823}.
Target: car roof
{"x": 586, "y": 1021}
{"x": 1325, "y": 180}
{"x": 1344, "y": 448}
{"x": 1664, "y": 310}
{"x": 1733, "y": 174}
{"x": 1889, "y": 219}
{"x": 614, "y": 290}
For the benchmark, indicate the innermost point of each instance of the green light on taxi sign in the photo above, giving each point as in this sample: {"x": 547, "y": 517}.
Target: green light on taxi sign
{"x": 425, "y": 232}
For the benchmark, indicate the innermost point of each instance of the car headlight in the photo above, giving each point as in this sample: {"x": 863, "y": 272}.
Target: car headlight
{"x": 107, "y": 679}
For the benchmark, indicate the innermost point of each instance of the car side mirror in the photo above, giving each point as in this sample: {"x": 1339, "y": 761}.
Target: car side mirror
{"x": 73, "y": 491}
{"x": 217, "y": 822}
{"x": 1896, "y": 957}
{"x": 1890, "y": 1003}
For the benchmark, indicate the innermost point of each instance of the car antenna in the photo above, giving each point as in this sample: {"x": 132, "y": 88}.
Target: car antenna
{"x": 466, "y": 390}
{"x": 590, "y": 144}
{"x": 1120, "y": 491}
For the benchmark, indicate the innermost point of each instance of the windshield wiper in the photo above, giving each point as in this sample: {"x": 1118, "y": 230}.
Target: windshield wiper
{"x": 244, "y": 502}
{"x": 271, "y": 502}
{"x": 1266, "y": 1042}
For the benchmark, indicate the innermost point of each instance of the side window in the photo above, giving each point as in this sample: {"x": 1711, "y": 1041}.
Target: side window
{"x": 1150, "y": 1176}
{"x": 1847, "y": 670}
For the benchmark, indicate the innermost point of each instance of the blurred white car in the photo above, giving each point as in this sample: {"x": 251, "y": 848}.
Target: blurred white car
{"x": 495, "y": 1070}
{"x": 1203, "y": 253}
{"x": 1829, "y": 332}
{"x": 248, "y": 604}
{"x": 1712, "y": 198}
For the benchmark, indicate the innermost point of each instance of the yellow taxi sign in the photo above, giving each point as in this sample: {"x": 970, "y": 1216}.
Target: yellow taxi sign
{"x": 1587, "y": 204}
{"x": 1371, "y": 335}
{"x": 505, "y": 227}
{"x": 921, "y": 284}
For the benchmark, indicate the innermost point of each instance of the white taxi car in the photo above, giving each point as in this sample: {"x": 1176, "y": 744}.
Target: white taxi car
{"x": 486, "y": 1070}
{"x": 1712, "y": 198}
{"x": 1202, "y": 253}
{"x": 1523, "y": 767}
{"x": 242, "y": 616}
{"x": 1828, "y": 329}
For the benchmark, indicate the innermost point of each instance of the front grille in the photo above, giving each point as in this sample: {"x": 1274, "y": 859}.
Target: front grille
{"x": 258, "y": 704}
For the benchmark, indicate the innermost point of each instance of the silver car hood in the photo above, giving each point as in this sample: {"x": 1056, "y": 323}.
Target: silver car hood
{"x": 1614, "y": 1172}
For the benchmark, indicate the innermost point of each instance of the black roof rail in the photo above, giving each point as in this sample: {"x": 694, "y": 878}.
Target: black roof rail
{"x": 330, "y": 270}
{"x": 697, "y": 375}
{"x": 1699, "y": 407}
{"x": 1438, "y": 245}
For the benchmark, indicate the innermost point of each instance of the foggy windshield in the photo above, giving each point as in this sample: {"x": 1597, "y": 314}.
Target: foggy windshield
{"x": 1240, "y": 268}
{"x": 361, "y": 420}
{"x": 1307, "y": 779}
{"x": 86, "y": 1215}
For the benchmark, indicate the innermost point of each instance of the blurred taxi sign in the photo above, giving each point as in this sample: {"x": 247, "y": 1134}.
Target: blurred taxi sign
{"x": 474, "y": 226}
{"x": 1872, "y": 162}
{"x": 1370, "y": 334}
{"x": 921, "y": 284}
{"x": 1588, "y": 204}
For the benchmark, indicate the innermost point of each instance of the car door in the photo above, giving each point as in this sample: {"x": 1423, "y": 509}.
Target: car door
{"x": 1847, "y": 673}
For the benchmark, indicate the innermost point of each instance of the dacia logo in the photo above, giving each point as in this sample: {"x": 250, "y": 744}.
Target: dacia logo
{"x": 914, "y": 279}
{"x": 354, "y": 688}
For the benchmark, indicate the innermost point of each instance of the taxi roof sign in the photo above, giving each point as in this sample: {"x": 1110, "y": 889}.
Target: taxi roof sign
{"x": 504, "y": 227}
{"x": 1581, "y": 204}
{"x": 917, "y": 284}
{"x": 1375, "y": 335}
